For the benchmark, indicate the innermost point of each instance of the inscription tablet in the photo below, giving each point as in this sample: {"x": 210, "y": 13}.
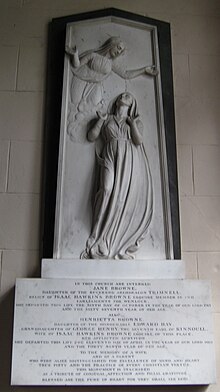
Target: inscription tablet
{"x": 104, "y": 332}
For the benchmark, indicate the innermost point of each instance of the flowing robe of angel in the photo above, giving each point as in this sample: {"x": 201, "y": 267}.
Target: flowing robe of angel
{"x": 86, "y": 87}
{"x": 86, "y": 91}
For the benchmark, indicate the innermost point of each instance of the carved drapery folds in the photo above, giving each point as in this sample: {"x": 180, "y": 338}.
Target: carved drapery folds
{"x": 123, "y": 204}
{"x": 89, "y": 70}
{"x": 112, "y": 190}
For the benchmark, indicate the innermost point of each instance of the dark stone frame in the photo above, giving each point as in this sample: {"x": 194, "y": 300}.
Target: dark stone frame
{"x": 55, "y": 66}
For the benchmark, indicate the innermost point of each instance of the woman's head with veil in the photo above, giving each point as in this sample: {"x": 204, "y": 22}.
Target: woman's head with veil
{"x": 127, "y": 99}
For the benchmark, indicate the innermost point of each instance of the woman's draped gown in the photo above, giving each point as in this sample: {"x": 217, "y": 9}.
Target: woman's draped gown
{"x": 124, "y": 201}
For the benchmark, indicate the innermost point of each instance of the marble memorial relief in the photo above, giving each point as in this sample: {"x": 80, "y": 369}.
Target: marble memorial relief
{"x": 89, "y": 70}
{"x": 124, "y": 199}
{"x": 97, "y": 317}
{"x": 111, "y": 193}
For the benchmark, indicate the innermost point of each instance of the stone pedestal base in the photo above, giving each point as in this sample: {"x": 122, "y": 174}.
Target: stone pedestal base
{"x": 110, "y": 269}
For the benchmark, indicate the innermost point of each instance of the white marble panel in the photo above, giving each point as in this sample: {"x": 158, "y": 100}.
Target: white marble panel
{"x": 86, "y": 89}
{"x": 215, "y": 387}
{"x": 112, "y": 332}
{"x": 217, "y": 339}
{"x": 91, "y": 269}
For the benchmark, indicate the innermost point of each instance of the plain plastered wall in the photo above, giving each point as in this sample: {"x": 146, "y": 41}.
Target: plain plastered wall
{"x": 195, "y": 26}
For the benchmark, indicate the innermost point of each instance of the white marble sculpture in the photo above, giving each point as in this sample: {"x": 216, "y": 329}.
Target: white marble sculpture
{"x": 123, "y": 204}
{"x": 89, "y": 70}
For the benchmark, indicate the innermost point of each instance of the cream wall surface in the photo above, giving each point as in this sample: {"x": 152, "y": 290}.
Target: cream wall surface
{"x": 195, "y": 27}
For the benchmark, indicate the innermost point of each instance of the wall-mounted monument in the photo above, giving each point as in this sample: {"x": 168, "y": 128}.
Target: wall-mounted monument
{"x": 112, "y": 307}
{"x": 116, "y": 185}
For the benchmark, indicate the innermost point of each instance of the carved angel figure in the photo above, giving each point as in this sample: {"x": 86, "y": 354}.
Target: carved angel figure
{"x": 123, "y": 204}
{"x": 89, "y": 70}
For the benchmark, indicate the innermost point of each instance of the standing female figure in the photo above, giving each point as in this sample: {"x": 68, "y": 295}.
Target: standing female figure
{"x": 123, "y": 204}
